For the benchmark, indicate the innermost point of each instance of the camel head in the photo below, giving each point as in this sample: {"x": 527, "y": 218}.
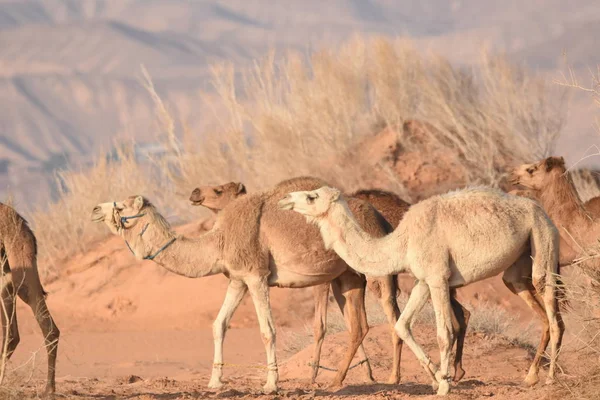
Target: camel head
{"x": 138, "y": 222}
{"x": 536, "y": 176}
{"x": 312, "y": 203}
{"x": 120, "y": 214}
{"x": 216, "y": 198}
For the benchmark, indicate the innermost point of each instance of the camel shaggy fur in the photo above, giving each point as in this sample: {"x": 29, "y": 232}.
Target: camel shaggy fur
{"x": 18, "y": 259}
{"x": 550, "y": 184}
{"x": 257, "y": 245}
{"x": 216, "y": 198}
{"x": 449, "y": 241}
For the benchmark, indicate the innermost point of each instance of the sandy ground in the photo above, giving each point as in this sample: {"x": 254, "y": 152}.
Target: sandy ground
{"x": 131, "y": 330}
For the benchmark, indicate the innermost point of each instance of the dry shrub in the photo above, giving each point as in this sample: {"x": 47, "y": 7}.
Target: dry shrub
{"x": 297, "y": 114}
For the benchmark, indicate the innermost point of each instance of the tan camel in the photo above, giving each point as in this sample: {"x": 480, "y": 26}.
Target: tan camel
{"x": 18, "y": 257}
{"x": 392, "y": 208}
{"x": 548, "y": 182}
{"x": 506, "y": 231}
{"x": 257, "y": 245}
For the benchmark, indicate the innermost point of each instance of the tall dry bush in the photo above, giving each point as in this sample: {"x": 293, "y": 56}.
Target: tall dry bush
{"x": 582, "y": 285}
{"x": 300, "y": 113}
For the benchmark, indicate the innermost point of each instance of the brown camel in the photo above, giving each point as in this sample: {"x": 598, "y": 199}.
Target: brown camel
{"x": 392, "y": 208}
{"x": 18, "y": 257}
{"x": 450, "y": 241}
{"x": 216, "y": 198}
{"x": 257, "y": 245}
{"x": 549, "y": 182}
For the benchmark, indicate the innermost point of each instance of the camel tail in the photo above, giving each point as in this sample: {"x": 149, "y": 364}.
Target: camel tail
{"x": 544, "y": 251}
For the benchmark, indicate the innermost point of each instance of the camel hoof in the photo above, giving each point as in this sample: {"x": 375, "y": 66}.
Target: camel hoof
{"x": 270, "y": 388}
{"x": 215, "y": 384}
{"x": 370, "y": 379}
{"x": 444, "y": 388}
{"x": 458, "y": 374}
{"x": 435, "y": 385}
{"x": 531, "y": 380}
{"x": 334, "y": 386}
{"x": 49, "y": 393}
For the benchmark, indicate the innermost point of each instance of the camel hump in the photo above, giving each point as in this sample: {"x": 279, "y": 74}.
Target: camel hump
{"x": 369, "y": 219}
{"x": 240, "y": 224}
{"x": 298, "y": 184}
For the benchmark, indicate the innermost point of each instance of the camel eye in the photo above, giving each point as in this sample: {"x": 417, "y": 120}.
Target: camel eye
{"x": 218, "y": 192}
{"x": 531, "y": 170}
{"x": 310, "y": 199}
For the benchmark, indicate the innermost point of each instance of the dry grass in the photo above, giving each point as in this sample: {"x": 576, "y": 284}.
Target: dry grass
{"x": 289, "y": 116}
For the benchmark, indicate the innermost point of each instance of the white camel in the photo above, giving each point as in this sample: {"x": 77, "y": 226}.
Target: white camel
{"x": 449, "y": 241}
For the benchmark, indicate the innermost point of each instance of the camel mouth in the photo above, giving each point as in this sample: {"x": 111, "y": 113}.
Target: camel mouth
{"x": 196, "y": 202}
{"x": 97, "y": 217}
{"x": 285, "y": 205}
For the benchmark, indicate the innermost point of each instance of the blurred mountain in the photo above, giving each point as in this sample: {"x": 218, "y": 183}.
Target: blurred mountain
{"x": 69, "y": 69}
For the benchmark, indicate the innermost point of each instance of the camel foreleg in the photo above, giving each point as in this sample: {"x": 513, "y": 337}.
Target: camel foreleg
{"x": 235, "y": 293}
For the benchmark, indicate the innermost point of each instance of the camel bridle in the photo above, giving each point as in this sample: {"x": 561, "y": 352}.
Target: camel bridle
{"x": 127, "y": 218}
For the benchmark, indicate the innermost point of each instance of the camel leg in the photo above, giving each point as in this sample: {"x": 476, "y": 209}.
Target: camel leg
{"x": 362, "y": 354}
{"x": 416, "y": 302}
{"x": 557, "y": 329}
{"x": 385, "y": 289}
{"x": 440, "y": 298}
{"x": 352, "y": 287}
{"x": 516, "y": 280}
{"x": 10, "y": 330}
{"x": 321, "y": 295}
{"x": 460, "y": 321}
{"x": 235, "y": 293}
{"x": 259, "y": 290}
{"x": 35, "y": 300}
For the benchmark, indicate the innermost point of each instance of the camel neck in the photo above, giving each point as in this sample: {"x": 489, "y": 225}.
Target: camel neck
{"x": 563, "y": 205}
{"x": 193, "y": 258}
{"x": 361, "y": 251}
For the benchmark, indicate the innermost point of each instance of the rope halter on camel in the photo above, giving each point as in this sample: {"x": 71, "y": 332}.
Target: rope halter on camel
{"x": 127, "y": 218}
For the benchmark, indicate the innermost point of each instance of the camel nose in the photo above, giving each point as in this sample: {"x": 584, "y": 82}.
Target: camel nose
{"x": 97, "y": 209}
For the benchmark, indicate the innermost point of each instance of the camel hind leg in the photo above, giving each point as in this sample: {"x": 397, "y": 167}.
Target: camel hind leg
{"x": 321, "y": 295}
{"x": 36, "y": 301}
{"x": 352, "y": 288}
{"x": 362, "y": 354}
{"x": 385, "y": 289}
{"x": 460, "y": 321}
{"x": 518, "y": 280}
{"x": 10, "y": 330}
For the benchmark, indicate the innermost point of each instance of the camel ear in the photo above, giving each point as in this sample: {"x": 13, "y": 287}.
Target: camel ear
{"x": 552, "y": 162}
{"x": 138, "y": 203}
{"x": 241, "y": 189}
{"x": 334, "y": 195}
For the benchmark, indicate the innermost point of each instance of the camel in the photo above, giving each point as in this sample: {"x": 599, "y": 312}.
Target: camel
{"x": 216, "y": 198}
{"x": 18, "y": 257}
{"x": 550, "y": 184}
{"x": 443, "y": 246}
{"x": 257, "y": 246}
{"x": 392, "y": 208}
